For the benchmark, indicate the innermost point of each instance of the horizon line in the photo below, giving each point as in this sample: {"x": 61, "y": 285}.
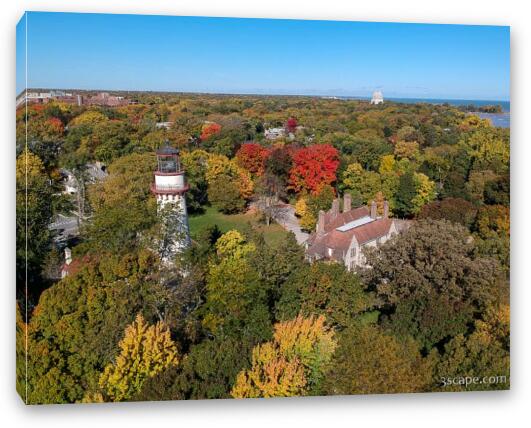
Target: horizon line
{"x": 258, "y": 94}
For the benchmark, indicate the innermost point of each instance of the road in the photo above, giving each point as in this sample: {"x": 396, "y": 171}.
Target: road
{"x": 66, "y": 226}
{"x": 290, "y": 222}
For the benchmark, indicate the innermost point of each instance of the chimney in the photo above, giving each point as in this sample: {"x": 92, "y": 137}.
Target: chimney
{"x": 68, "y": 255}
{"x": 347, "y": 202}
{"x": 386, "y": 209}
{"x": 320, "y": 228}
{"x": 373, "y": 209}
{"x": 335, "y": 208}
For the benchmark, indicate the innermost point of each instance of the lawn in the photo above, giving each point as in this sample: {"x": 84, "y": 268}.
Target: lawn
{"x": 273, "y": 234}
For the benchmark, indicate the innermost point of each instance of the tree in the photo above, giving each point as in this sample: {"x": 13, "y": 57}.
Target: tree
{"x": 456, "y": 210}
{"x": 123, "y": 205}
{"x": 429, "y": 277}
{"x": 407, "y": 149}
{"x": 313, "y": 167}
{"x": 290, "y": 365}
{"x": 236, "y": 301}
{"x": 145, "y": 351}
{"x": 409, "y": 134}
{"x": 405, "y": 194}
{"x": 279, "y": 164}
{"x": 488, "y": 148}
{"x": 208, "y": 371}
{"x": 483, "y": 354}
{"x": 493, "y": 231}
{"x": 89, "y": 117}
{"x": 370, "y": 361}
{"x": 34, "y": 205}
{"x": 195, "y": 166}
{"x": 209, "y": 130}
{"x": 291, "y": 125}
{"x": 324, "y": 289}
{"x": 425, "y": 192}
{"x": 73, "y": 331}
{"x": 224, "y": 194}
{"x": 362, "y": 184}
{"x": 252, "y": 157}
{"x": 221, "y": 165}
{"x": 472, "y": 122}
{"x": 306, "y": 215}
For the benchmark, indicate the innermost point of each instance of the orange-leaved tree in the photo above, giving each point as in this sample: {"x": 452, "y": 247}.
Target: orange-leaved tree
{"x": 313, "y": 167}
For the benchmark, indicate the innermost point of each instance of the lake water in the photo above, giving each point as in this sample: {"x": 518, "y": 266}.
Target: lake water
{"x": 502, "y": 120}
{"x": 505, "y": 105}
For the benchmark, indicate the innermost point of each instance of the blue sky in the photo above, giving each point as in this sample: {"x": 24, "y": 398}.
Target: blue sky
{"x": 194, "y": 54}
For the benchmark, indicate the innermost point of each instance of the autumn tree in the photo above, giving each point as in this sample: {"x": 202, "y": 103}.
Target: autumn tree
{"x": 252, "y": 157}
{"x": 407, "y": 149}
{"x": 370, "y": 361}
{"x": 488, "y": 148}
{"x": 361, "y": 184}
{"x": 123, "y": 205}
{"x": 483, "y": 354}
{"x": 145, "y": 351}
{"x": 313, "y": 167}
{"x": 209, "y": 129}
{"x": 224, "y": 194}
{"x": 235, "y": 299}
{"x": 291, "y": 364}
{"x": 279, "y": 164}
{"x": 492, "y": 227}
{"x": 195, "y": 166}
{"x": 431, "y": 281}
{"x": 414, "y": 191}
{"x": 456, "y": 210}
{"x": 291, "y": 124}
{"x": 74, "y": 330}
{"x": 34, "y": 211}
{"x": 326, "y": 289}
{"x": 218, "y": 165}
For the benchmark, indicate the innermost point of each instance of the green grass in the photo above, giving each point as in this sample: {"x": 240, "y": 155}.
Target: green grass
{"x": 273, "y": 234}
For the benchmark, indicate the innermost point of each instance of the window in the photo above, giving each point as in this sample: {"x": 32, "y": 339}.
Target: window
{"x": 353, "y": 252}
{"x": 330, "y": 252}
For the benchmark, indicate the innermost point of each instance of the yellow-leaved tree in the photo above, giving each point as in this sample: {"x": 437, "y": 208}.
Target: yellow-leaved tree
{"x": 145, "y": 351}
{"x": 292, "y": 364}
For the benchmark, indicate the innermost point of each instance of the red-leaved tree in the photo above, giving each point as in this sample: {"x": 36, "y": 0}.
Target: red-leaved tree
{"x": 252, "y": 157}
{"x": 313, "y": 167}
{"x": 291, "y": 124}
{"x": 210, "y": 129}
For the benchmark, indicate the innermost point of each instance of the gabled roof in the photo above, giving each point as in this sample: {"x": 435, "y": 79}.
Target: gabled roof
{"x": 332, "y": 222}
{"x": 339, "y": 241}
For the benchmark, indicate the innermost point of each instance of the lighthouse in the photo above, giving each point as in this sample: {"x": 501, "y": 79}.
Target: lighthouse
{"x": 170, "y": 189}
{"x": 377, "y": 98}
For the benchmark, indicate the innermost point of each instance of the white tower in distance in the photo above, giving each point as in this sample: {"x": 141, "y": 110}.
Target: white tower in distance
{"x": 170, "y": 190}
{"x": 377, "y": 98}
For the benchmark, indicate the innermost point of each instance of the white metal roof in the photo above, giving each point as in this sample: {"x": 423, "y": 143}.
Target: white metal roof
{"x": 356, "y": 223}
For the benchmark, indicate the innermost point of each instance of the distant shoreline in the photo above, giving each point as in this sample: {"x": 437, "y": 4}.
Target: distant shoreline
{"x": 455, "y": 102}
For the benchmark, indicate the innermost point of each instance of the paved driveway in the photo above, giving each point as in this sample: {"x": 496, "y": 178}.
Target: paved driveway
{"x": 289, "y": 221}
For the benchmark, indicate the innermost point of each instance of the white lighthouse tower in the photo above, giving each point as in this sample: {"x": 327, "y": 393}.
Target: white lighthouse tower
{"x": 170, "y": 189}
{"x": 377, "y": 98}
